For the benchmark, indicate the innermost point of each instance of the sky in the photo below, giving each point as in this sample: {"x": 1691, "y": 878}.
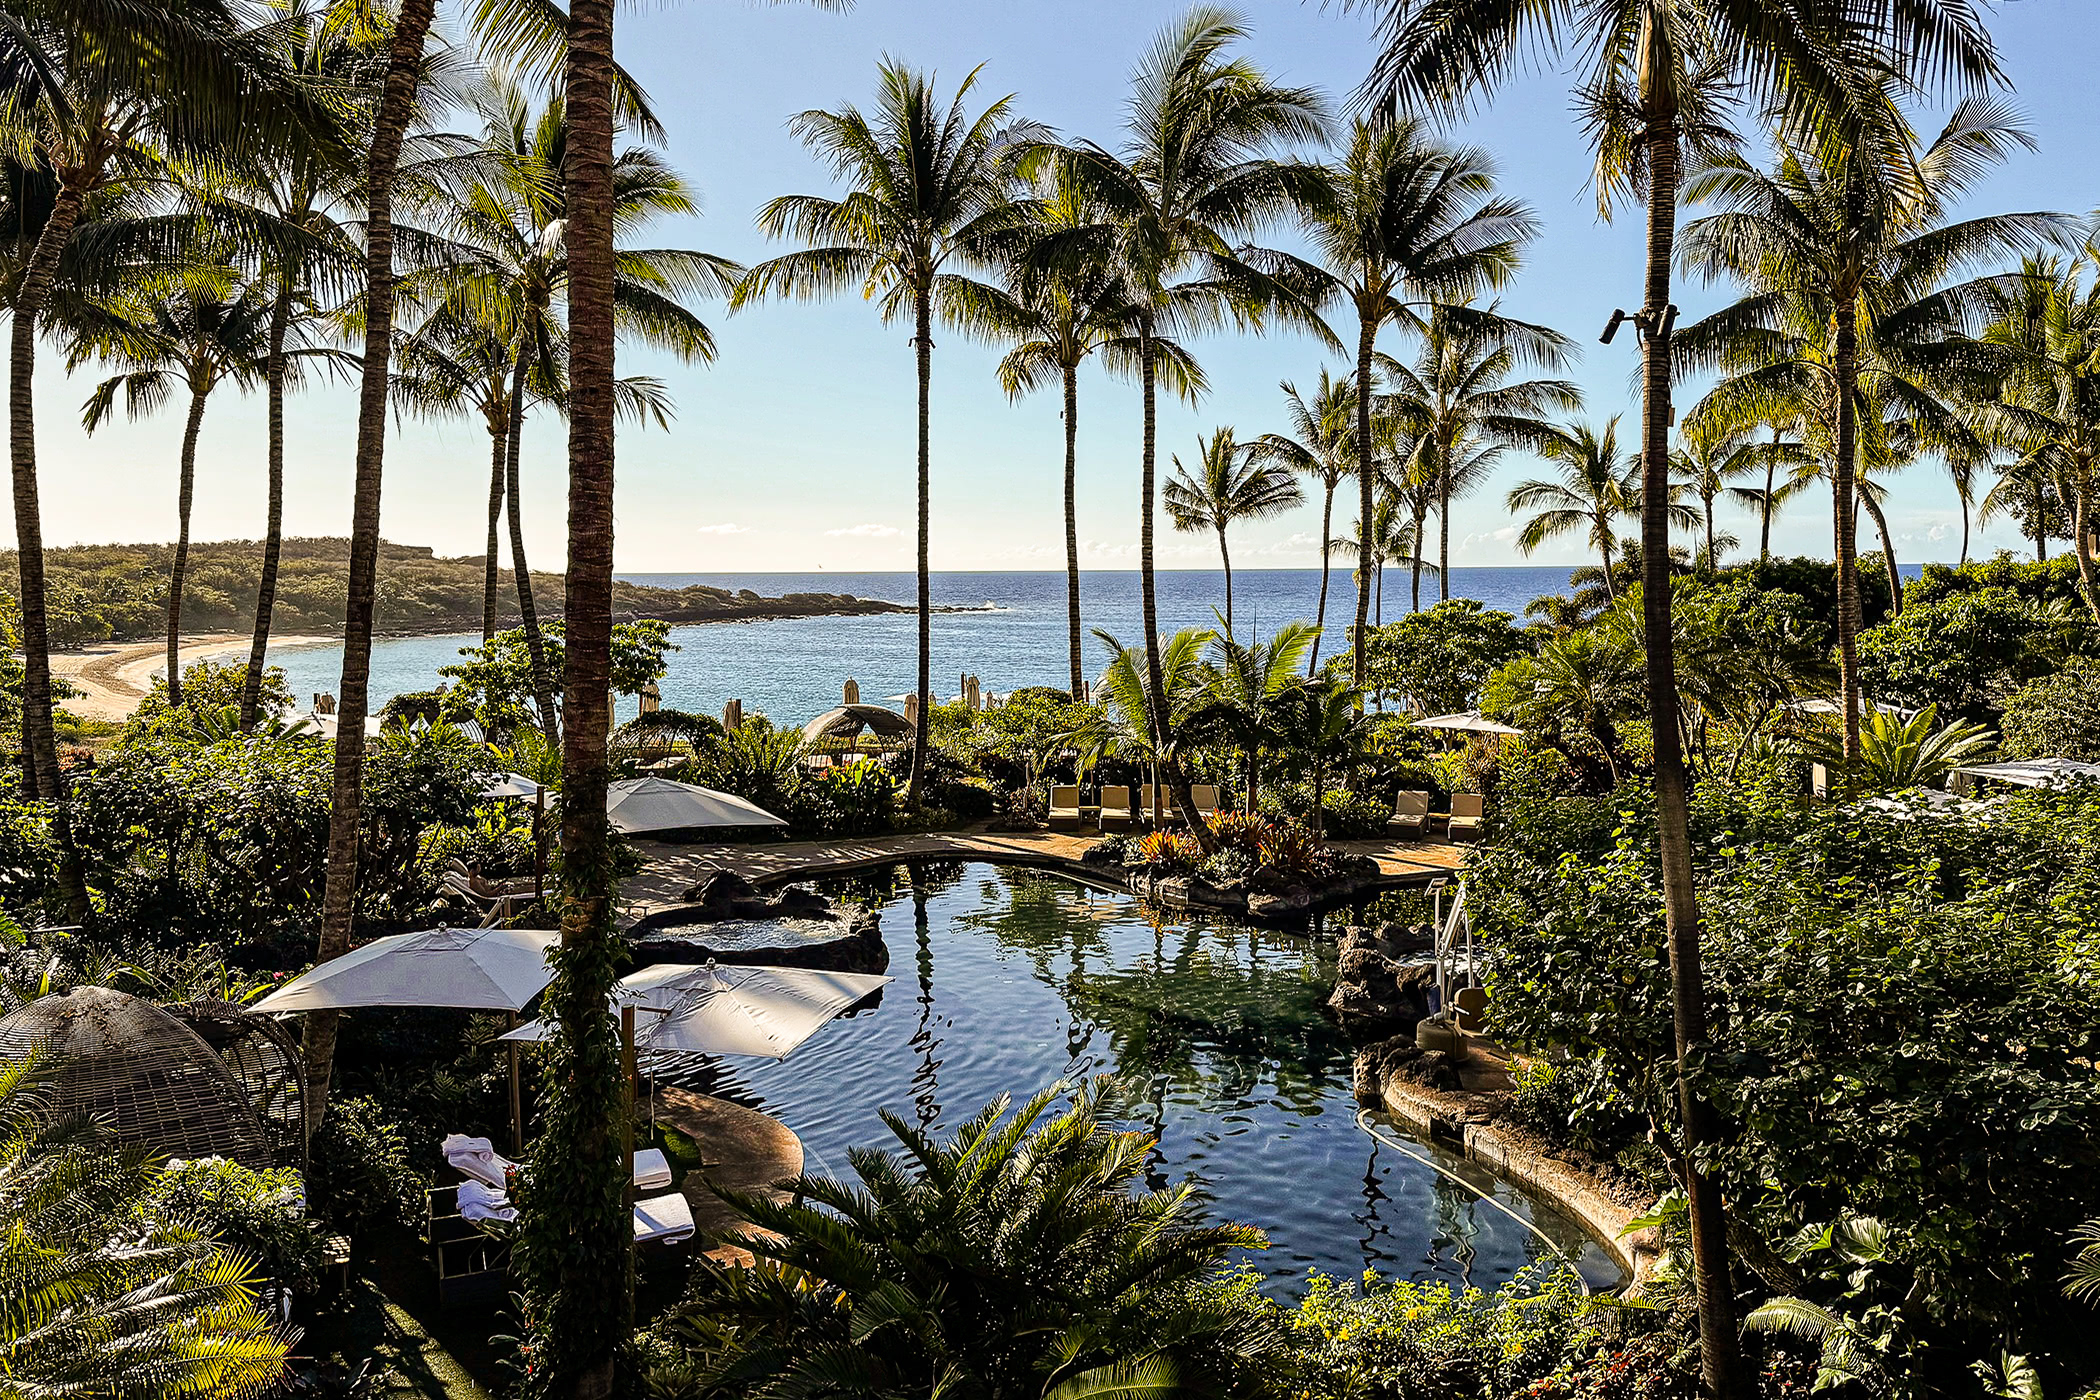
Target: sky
{"x": 795, "y": 451}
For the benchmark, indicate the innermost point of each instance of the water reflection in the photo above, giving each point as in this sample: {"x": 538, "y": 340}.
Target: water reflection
{"x": 1213, "y": 1033}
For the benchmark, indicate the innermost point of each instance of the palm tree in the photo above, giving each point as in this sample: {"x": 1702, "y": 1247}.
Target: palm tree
{"x": 196, "y": 336}
{"x": 1655, "y": 69}
{"x": 1228, "y": 485}
{"x": 1198, "y": 169}
{"x": 1707, "y": 459}
{"x": 1766, "y": 500}
{"x": 933, "y": 189}
{"x": 390, "y": 124}
{"x": 1462, "y": 413}
{"x": 1246, "y": 682}
{"x": 1059, "y": 319}
{"x": 1845, "y": 252}
{"x": 495, "y": 259}
{"x": 1409, "y": 218}
{"x": 1135, "y": 723}
{"x": 1596, "y": 489}
{"x": 1320, "y": 445}
{"x": 1323, "y": 720}
{"x": 1395, "y": 539}
{"x": 114, "y": 1298}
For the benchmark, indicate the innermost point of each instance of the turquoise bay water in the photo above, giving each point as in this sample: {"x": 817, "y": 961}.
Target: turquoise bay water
{"x": 1013, "y": 634}
{"x": 1009, "y": 980}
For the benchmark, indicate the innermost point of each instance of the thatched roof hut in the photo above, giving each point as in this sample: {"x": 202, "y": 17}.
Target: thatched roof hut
{"x": 154, "y": 1080}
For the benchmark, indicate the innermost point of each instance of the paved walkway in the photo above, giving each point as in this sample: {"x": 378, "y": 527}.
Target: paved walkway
{"x": 744, "y": 1150}
{"x": 673, "y": 869}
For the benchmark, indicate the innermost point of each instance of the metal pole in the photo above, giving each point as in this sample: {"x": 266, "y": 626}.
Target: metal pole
{"x": 627, "y": 1136}
{"x": 517, "y": 1096}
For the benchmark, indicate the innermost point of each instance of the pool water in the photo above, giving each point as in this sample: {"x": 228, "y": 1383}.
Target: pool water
{"x": 1008, "y": 980}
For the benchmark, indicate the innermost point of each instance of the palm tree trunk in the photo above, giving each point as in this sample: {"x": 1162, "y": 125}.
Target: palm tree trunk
{"x": 1964, "y": 529}
{"x": 1155, "y": 678}
{"x": 1415, "y": 571}
{"x": 2041, "y": 518}
{"x": 1764, "y": 514}
{"x": 1312, "y": 663}
{"x": 1366, "y": 337}
{"x": 499, "y": 442}
{"x": 1888, "y": 552}
{"x": 185, "y": 493}
{"x": 1720, "y": 1356}
{"x": 579, "y": 1258}
{"x": 2079, "y": 492}
{"x": 1611, "y": 592}
{"x": 1072, "y": 526}
{"x": 521, "y": 572}
{"x": 1443, "y": 532}
{"x": 922, "y": 348}
{"x": 1226, "y": 555}
{"x": 346, "y": 794}
{"x": 1844, "y": 490}
{"x": 273, "y": 524}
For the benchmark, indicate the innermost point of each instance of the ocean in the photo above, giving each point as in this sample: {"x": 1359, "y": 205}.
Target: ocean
{"x": 1012, "y": 632}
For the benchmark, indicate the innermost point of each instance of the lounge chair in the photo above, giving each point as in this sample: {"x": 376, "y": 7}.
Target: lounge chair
{"x": 1064, "y": 807}
{"x": 1155, "y": 805}
{"x": 652, "y": 1170}
{"x": 1117, "y": 813}
{"x": 493, "y": 907}
{"x": 663, "y": 1220}
{"x": 481, "y": 1203}
{"x": 1204, "y": 798}
{"x": 1410, "y": 816}
{"x": 1465, "y": 816}
{"x": 476, "y": 1159}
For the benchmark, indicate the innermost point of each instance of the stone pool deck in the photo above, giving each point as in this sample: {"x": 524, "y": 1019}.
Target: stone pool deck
{"x": 671, "y": 869}
{"x": 741, "y": 1149}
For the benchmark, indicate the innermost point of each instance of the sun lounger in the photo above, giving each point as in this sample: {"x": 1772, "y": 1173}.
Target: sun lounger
{"x": 663, "y": 1220}
{"x": 1064, "y": 807}
{"x": 493, "y": 906}
{"x": 473, "y": 1157}
{"x": 1410, "y": 815}
{"x": 1204, "y": 798}
{"x": 1155, "y": 805}
{"x": 1117, "y": 813}
{"x": 1465, "y": 816}
{"x": 652, "y": 1170}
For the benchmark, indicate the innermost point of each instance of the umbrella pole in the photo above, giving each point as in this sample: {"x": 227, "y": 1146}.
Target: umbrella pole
{"x": 539, "y": 852}
{"x": 627, "y": 1136}
{"x": 517, "y": 1096}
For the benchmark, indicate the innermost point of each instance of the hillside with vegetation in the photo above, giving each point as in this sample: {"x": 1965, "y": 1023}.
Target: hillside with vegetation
{"x": 119, "y": 592}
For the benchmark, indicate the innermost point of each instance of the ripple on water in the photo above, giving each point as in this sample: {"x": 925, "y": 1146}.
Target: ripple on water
{"x": 1012, "y": 980}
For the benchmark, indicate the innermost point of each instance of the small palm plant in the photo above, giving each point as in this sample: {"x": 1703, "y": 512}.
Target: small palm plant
{"x": 1898, "y": 754}
{"x": 1229, "y": 484}
{"x": 1021, "y": 1256}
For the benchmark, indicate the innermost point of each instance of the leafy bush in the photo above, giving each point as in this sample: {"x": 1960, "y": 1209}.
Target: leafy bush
{"x": 360, "y": 1174}
{"x": 1347, "y": 816}
{"x": 498, "y": 841}
{"x": 1438, "y": 658}
{"x": 1965, "y": 651}
{"x": 1227, "y": 865}
{"x": 2056, "y": 716}
{"x": 1575, "y": 1103}
{"x": 757, "y": 762}
{"x": 260, "y": 1214}
{"x": 853, "y": 799}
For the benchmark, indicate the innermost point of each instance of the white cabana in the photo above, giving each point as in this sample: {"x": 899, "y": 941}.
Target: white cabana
{"x": 1468, "y": 722}
{"x": 722, "y": 1009}
{"x": 511, "y": 785}
{"x": 659, "y": 804}
{"x": 474, "y": 969}
{"x": 2034, "y": 772}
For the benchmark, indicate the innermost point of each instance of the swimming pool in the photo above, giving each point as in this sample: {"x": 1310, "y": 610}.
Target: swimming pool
{"x": 1010, "y": 979}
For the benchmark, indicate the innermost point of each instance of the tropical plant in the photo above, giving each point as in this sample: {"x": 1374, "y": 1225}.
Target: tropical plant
{"x": 1134, "y": 724}
{"x": 1083, "y": 1281}
{"x": 1395, "y": 539}
{"x": 1436, "y": 661}
{"x": 1965, "y": 651}
{"x": 1323, "y": 722}
{"x": 1596, "y": 489}
{"x": 1319, "y": 445}
{"x": 1898, "y": 754}
{"x": 2056, "y": 716}
{"x": 1247, "y": 680}
{"x": 1767, "y": 500}
{"x": 1706, "y": 460}
{"x": 1198, "y": 170}
{"x": 933, "y": 190}
{"x": 100, "y": 1295}
{"x": 1228, "y": 485}
{"x": 1409, "y": 220}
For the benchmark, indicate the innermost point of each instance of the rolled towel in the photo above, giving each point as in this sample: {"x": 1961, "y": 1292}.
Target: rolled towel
{"x": 479, "y": 1202}
{"x": 476, "y": 1157}
{"x": 652, "y": 1170}
{"x": 663, "y": 1220}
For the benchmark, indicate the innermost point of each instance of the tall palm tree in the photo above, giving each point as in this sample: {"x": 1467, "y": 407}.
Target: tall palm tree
{"x": 1229, "y": 484}
{"x": 1197, "y": 175}
{"x": 1596, "y": 489}
{"x": 495, "y": 258}
{"x": 1396, "y": 538}
{"x": 1058, "y": 320}
{"x": 1845, "y": 252}
{"x": 934, "y": 189}
{"x": 1321, "y": 444}
{"x": 1655, "y": 69}
{"x": 1409, "y": 218}
{"x": 1457, "y": 403}
{"x": 396, "y": 107}
{"x": 1707, "y": 459}
{"x": 1766, "y": 501}
{"x": 195, "y": 335}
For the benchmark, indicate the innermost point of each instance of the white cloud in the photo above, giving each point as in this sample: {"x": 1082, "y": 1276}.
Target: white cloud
{"x": 1300, "y": 543}
{"x": 728, "y": 527}
{"x": 867, "y": 532}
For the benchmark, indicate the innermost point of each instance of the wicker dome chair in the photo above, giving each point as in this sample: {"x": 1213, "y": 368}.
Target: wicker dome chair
{"x": 264, "y": 1060}
{"x": 125, "y": 1061}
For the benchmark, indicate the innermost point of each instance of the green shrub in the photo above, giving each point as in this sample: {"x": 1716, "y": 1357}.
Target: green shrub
{"x": 1965, "y": 651}
{"x": 2056, "y": 716}
{"x": 360, "y": 1175}
{"x": 1348, "y": 816}
{"x": 260, "y": 1214}
{"x": 852, "y": 799}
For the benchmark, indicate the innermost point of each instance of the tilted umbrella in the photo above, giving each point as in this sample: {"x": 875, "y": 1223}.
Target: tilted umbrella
{"x": 511, "y": 785}
{"x": 474, "y": 969}
{"x": 728, "y": 1009}
{"x": 658, "y": 804}
{"x": 1468, "y": 722}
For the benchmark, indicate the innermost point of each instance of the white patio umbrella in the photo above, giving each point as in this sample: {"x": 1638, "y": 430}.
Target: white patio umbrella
{"x": 659, "y": 804}
{"x": 475, "y": 969}
{"x": 725, "y": 1009}
{"x": 1469, "y": 722}
{"x": 511, "y": 785}
{"x": 2035, "y": 772}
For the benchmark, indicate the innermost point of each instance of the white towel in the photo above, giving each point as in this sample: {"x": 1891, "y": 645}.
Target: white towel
{"x": 663, "y": 1220}
{"x": 652, "y": 1170}
{"x": 476, "y": 1157}
{"x": 479, "y": 1202}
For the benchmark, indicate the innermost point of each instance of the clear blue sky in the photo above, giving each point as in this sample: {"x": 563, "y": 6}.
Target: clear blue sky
{"x": 795, "y": 451}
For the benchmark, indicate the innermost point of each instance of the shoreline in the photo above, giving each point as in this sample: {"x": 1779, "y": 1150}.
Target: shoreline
{"x": 113, "y": 677}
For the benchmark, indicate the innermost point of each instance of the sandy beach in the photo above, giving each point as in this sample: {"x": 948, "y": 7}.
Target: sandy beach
{"x": 114, "y": 676}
